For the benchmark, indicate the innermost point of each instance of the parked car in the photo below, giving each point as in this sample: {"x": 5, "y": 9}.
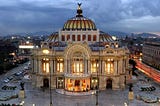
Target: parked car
{"x": 10, "y": 77}
{"x": 6, "y": 80}
{"x": 18, "y": 73}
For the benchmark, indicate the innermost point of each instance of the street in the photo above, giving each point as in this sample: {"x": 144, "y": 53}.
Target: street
{"x": 149, "y": 71}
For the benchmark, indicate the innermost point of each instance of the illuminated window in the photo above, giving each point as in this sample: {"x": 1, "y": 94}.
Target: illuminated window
{"x": 94, "y": 66}
{"x": 60, "y": 65}
{"x": 109, "y": 66}
{"x": 63, "y": 38}
{"x": 45, "y": 65}
{"x": 94, "y": 37}
{"x": 77, "y": 63}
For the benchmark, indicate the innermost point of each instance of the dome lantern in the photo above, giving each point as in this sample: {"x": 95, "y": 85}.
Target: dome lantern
{"x": 79, "y": 11}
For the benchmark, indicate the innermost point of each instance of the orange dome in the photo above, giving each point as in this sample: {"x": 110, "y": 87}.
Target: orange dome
{"x": 79, "y": 22}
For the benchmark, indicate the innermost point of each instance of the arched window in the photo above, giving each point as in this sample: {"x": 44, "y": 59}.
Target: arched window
{"x": 73, "y": 37}
{"x": 63, "y": 38}
{"x": 94, "y": 37}
{"x": 94, "y": 66}
{"x": 109, "y": 66}
{"x": 60, "y": 65}
{"x": 79, "y": 38}
{"x": 84, "y": 37}
{"x": 77, "y": 63}
{"x": 45, "y": 65}
{"x": 89, "y": 37}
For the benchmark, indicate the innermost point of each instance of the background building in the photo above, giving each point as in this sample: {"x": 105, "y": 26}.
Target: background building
{"x": 80, "y": 58}
{"x": 151, "y": 54}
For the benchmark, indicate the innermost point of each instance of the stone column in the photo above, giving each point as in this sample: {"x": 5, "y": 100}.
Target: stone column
{"x": 65, "y": 66}
{"x": 120, "y": 66}
{"x": 103, "y": 67}
{"x": 76, "y": 37}
{"x": 81, "y": 85}
{"x": 100, "y": 67}
{"x": 115, "y": 67}
{"x": 89, "y": 67}
{"x": 73, "y": 82}
{"x": 85, "y": 66}
{"x": 55, "y": 66}
{"x": 69, "y": 66}
{"x": 36, "y": 65}
{"x": 39, "y": 66}
{"x": 123, "y": 66}
{"x": 51, "y": 66}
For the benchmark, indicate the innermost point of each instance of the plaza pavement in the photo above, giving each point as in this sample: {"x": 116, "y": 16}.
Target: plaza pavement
{"x": 106, "y": 98}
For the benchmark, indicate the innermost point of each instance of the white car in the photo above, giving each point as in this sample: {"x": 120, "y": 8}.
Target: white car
{"x": 6, "y": 80}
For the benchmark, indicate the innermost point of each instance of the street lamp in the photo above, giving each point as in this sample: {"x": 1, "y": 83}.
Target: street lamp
{"x": 98, "y": 69}
{"x": 97, "y": 87}
{"x": 50, "y": 89}
{"x": 46, "y": 52}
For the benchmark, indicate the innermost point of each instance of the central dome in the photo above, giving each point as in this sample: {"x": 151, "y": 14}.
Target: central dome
{"x": 79, "y": 22}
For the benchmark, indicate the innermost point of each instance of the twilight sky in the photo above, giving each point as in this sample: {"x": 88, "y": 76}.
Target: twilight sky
{"x": 49, "y": 15}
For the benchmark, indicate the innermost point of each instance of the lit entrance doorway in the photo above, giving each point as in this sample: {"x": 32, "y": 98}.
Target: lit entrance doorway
{"x": 109, "y": 84}
{"x": 77, "y": 85}
{"x": 46, "y": 83}
{"x": 60, "y": 83}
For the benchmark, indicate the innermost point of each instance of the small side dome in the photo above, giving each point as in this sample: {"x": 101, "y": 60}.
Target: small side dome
{"x": 52, "y": 38}
{"x": 104, "y": 37}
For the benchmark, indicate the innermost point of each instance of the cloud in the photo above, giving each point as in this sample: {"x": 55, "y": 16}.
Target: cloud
{"x": 31, "y": 18}
{"x": 143, "y": 24}
{"x": 121, "y": 14}
{"x": 49, "y": 15}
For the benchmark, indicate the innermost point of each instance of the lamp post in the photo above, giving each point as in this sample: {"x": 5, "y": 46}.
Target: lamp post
{"x": 50, "y": 88}
{"x": 46, "y": 52}
{"x": 98, "y": 69}
{"x": 97, "y": 87}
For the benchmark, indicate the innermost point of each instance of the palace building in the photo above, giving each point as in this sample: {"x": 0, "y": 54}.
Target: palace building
{"x": 80, "y": 58}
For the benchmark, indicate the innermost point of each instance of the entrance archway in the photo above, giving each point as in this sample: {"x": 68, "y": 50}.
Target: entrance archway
{"x": 77, "y": 85}
{"x": 109, "y": 84}
{"x": 46, "y": 83}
